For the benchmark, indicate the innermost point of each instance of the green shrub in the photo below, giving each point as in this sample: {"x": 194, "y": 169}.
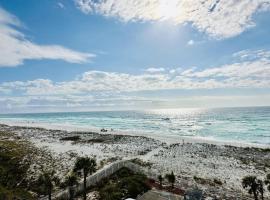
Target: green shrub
{"x": 121, "y": 185}
{"x": 12, "y": 170}
{"x": 110, "y": 192}
{"x": 11, "y": 194}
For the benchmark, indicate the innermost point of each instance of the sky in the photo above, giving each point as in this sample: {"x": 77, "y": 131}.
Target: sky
{"x": 83, "y": 55}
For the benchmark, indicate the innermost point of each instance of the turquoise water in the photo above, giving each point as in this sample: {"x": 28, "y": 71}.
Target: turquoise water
{"x": 245, "y": 125}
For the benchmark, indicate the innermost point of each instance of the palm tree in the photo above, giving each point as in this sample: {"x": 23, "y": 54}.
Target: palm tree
{"x": 160, "y": 178}
{"x": 171, "y": 178}
{"x": 267, "y": 181}
{"x": 47, "y": 180}
{"x": 253, "y": 185}
{"x": 88, "y": 166}
{"x": 70, "y": 181}
{"x": 260, "y": 188}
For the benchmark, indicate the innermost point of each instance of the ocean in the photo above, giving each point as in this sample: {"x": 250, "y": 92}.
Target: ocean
{"x": 241, "y": 125}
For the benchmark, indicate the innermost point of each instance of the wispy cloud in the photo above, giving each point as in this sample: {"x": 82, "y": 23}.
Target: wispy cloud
{"x": 190, "y": 43}
{"x": 60, "y": 5}
{"x": 15, "y": 48}
{"x": 155, "y": 70}
{"x": 96, "y": 102}
{"x": 218, "y": 18}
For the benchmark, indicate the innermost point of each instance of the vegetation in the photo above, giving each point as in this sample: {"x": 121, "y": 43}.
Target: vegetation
{"x": 47, "y": 181}
{"x": 217, "y": 181}
{"x": 88, "y": 166}
{"x": 267, "y": 182}
{"x": 10, "y": 194}
{"x": 134, "y": 185}
{"x": 96, "y": 140}
{"x": 260, "y": 188}
{"x": 15, "y": 160}
{"x": 171, "y": 178}
{"x": 253, "y": 185}
{"x": 142, "y": 163}
{"x": 13, "y": 169}
{"x": 160, "y": 179}
{"x": 111, "y": 192}
{"x": 207, "y": 181}
{"x": 71, "y": 138}
{"x": 70, "y": 182}
{"x": 123, "y": 184}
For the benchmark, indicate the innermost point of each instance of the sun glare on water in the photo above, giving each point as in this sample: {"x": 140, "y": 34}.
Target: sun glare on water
{"x": 178, "y": 111}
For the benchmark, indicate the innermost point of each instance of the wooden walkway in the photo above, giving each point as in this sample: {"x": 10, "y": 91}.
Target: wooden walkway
{"x": 96, "y": 177}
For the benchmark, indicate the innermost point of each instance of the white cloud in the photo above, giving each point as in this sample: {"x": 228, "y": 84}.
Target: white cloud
{"x": 15, "y": 48}
{"x": 190, "y": 42}
{"x": 248, "y": 55}
{"x": 218, "y": 18}
{"x": 68, "y": 103}
{"x": 256, "y": 69}
{"x": 60, "y": 5}
{"x": 245, "y": 74}
{"x": 155, "y": 70}
{"x": 102, "y": 89}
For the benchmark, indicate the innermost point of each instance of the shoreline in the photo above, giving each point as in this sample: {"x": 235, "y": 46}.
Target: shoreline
{"x": 166, "y": 139}
{"x": 197, "y": 164}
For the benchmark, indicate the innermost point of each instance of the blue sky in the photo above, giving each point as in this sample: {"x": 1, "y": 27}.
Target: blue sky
{"x": 78, "y": 55}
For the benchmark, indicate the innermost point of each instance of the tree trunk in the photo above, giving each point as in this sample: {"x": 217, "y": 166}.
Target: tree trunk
{"x": 84, "y": 186}
{"x": 255, "y": 195}
{"x": 50, "y": 195}
{"x": 71, "y": 193}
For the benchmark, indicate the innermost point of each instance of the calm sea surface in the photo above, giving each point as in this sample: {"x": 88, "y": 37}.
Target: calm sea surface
{"x": 246, "y": 125}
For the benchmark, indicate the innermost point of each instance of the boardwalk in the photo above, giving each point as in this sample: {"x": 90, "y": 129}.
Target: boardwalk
{"x": 96, "y": 177}
{"x": 106, "y": 172}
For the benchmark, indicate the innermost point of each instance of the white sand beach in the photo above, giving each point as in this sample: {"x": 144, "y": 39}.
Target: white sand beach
{"x": 212, "y": 166}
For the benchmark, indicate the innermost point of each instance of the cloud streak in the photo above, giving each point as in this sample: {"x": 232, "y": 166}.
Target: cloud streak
{"x": 15, "y": 48}
{"x": 218, "y": 18}
{"x": 155, "y": 70}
